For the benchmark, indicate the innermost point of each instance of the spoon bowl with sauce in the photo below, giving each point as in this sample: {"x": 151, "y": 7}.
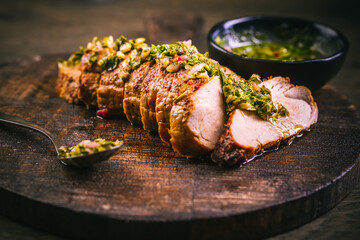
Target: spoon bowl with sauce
{"x": 82, "y": 155}
{"x": 307, "y": 52}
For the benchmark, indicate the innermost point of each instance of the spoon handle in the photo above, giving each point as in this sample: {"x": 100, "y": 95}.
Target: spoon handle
{"x": 24, "y": 123}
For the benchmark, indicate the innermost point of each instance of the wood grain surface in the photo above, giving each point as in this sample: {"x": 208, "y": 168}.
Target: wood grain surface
{"x": 147, "y": 190}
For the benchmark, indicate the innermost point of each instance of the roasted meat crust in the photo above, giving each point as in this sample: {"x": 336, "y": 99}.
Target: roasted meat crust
{"x": 132, "y": 93}
{"x": 228, "y": 153}
{"x": 150, "y": 87}
{"x": 110, "y": 93}
{"x": 165, "y": 98}
{"x": 89, "y": 83}
{"x": 68, "y": 83}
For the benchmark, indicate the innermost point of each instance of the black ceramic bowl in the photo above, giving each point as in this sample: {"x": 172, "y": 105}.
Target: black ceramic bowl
{"x": 312, "y": 73}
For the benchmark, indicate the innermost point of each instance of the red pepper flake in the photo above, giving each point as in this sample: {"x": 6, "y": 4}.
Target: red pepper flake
{"x": 103, "y": 113}
{"x": 182, "y": 58}
{"x": 90, "y": 144}
{"x": 85, "y": 58}
{"x": 228, "y": 49}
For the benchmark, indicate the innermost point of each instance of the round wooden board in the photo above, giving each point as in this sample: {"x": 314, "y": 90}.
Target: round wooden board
{"x": 147, "y": 190}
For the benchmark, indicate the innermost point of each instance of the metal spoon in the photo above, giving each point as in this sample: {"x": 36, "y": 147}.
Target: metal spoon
{"x": 77, "y": 161}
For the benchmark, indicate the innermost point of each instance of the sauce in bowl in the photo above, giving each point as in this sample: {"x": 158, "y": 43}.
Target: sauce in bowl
{"x": 279, "y": 43}
{"x": 291, "y": 47}
{"x": 277, "y": 52}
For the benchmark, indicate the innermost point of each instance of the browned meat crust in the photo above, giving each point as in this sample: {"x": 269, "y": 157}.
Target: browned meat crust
{"x": 89, "y": 83}
{"x": 149, "y": 91}
{"x": 132, "y": 93}
{"x": 68, "y": 83}
{"x": 227, "y": 151}
{"x": 110, "y": 94}
{"x": 165, "y": 98}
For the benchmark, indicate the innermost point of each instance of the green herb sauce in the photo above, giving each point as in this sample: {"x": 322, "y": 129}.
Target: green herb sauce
{"x": 106, "y": 52}
{"x": 277, "y": 52}
{"x": 109, "y": 62}
{"x": 87, "y": 147}
{"x": 183, "y": 55}
{"x": 285, "y": 44}
{"x": 247, "y": 95}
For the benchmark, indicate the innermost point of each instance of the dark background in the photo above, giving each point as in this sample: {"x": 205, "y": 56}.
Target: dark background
{"x": 37, "y": 27}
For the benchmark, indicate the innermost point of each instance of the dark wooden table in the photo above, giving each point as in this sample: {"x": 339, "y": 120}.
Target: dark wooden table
{"x": 42, "y": 27}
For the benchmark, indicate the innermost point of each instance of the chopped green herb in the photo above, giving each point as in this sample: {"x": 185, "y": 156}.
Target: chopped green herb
{"x": 171, "y": 50}
{"x": 109, "y": 62}
{"x": 88, "y": 147}
{"x": 92, "y": 59}
{"x": 102, "y": 51}
{"x": 247, "y": 95}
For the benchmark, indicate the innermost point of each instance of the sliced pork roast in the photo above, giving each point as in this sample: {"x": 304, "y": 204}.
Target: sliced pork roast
{"x": 197, "y": 117}
{"x": 175, "y": 90}
{"x": 93, "y": 67}
{"x": 149, "y": 89}
{"x": 165, "y": 98}
{"x": 110, "y": 93}
{"x": 246, "y": 134}
{"x": 79, "y": 76}
{"x": 89, "y": 83}
{"x": 91, "y": 71}
{"x": 132, "y": 93}
{"x": 197, "y": 113}
{"x": 68, "y": 82}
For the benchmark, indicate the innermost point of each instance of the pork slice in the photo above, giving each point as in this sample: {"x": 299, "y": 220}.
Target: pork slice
{"x": 89, "y": 83}
{"x": 246, "y": 135}
{"x": 197, "y": 117}
{"x": 297, "y": 100}
{"x": 68, "y": 83}
{"x": 132, "y": 93}
{"x": 110, "y": 93}
{"x": 150, "y": 87}
{"x": 80, "y": 81}
{"x": 171, "y": 85}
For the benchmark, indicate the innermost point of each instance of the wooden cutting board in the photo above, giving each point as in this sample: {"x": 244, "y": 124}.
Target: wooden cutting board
{"x": 147, "y": 190}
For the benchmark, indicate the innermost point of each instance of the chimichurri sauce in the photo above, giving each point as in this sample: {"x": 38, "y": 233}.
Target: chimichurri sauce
{"x": 88, "y": 147}
{"x": 277, "y": 52}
